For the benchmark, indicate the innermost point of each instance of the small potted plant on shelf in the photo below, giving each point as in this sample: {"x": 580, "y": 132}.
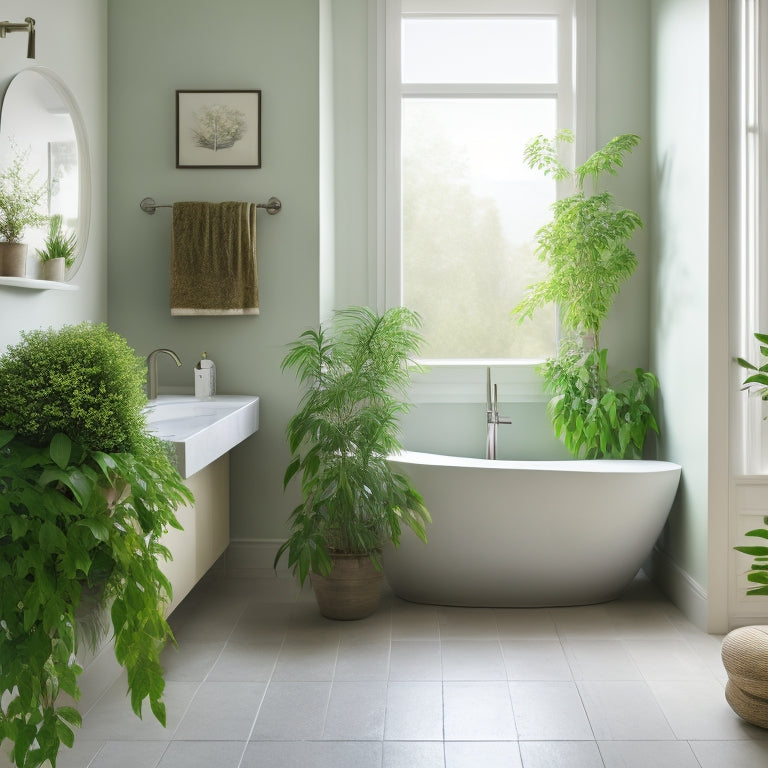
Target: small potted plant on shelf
{"x": 20, "y": 199}
{"x": 85, "y": 494}
{"x": 355, "y": 371}
{"x": 585, "y": 248}
{"x": 58, "y": 253}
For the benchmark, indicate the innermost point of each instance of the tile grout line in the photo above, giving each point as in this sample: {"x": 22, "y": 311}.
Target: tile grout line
{"x": 199, "y": 686}
{"x": 264, "y": 694}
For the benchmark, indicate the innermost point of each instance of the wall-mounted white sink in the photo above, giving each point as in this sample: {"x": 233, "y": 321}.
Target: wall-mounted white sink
{"x": 202, "y": 430}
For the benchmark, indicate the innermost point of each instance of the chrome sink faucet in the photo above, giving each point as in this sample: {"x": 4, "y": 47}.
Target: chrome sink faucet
{"x": 152, "y": 370}
{"x": 492, "y": 417}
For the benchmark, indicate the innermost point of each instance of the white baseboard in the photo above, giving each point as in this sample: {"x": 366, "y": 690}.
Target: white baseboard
{"x": 680, "y": 587}
{"x": 254, "y": 557}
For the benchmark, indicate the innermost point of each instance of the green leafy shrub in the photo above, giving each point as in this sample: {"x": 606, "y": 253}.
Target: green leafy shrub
{"x": 585, "y": 248}
{"x": 593, "y": 418}
{"x": 20, "y": 198}
{"x": 78, "y": 518}
{"x": 82, "y": 380}
{"x": 355, "y": 373}
{"x": 760, "y": 373}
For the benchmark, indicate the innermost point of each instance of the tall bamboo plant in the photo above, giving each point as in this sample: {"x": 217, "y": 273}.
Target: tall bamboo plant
{"x": 585, "y": 248}
{"x": 355, "y": 372}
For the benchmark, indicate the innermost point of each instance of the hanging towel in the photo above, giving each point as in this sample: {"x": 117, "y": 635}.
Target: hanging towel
{"x": 213, "y": 259}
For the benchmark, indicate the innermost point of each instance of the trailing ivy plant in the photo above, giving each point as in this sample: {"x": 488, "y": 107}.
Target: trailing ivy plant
{"x": 82, "y": 509}
{"x": 758, "y": 573}
{"x": 585, "y": 248}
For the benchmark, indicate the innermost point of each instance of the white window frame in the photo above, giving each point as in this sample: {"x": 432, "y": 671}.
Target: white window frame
{"x": 749, "y": 244}
{"x": 464, "y": 380}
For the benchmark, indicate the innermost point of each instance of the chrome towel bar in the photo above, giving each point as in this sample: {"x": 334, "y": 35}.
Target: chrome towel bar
{"x": 272, "y": 206}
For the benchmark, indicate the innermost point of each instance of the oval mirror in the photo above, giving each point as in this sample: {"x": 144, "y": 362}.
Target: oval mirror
{"x": 40, "y": 116}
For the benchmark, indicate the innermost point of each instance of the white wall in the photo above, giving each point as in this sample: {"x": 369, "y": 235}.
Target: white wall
{"x": 72, "y": 41}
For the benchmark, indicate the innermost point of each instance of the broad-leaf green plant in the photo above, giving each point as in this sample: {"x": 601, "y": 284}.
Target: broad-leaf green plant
{"x": 593, "y": 418}
{"x": 355, "y": 371}
{"x": 758, "y": 573}
{"x": 84, "y": 499}
{"x": 21, "y": 197}
{"x": 585, "y": 249}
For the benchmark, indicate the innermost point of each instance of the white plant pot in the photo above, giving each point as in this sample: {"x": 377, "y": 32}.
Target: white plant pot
{"x": 13, "y": 259}
{"x": 53, "y": 269}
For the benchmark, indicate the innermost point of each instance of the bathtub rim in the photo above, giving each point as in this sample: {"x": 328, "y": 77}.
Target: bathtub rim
{"x": 618, "y": 466}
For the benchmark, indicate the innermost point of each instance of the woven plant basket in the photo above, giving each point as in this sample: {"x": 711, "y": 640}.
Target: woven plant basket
{"x": 745, "y": 658}
{"x": 753, "y": 709}
{"x": 352, "y": 590}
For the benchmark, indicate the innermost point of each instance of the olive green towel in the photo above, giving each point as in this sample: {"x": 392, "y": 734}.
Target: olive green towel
{"x": 213, "y": 259}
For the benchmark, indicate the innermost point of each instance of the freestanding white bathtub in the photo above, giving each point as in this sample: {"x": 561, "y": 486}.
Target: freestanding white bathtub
{"x": 529, "y": 533}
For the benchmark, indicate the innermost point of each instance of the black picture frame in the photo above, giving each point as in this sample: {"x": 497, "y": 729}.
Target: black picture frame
{"x": 218, "y": 129}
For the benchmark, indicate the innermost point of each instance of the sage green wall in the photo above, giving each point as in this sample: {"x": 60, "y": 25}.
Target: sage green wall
{"x": 285, "y": 49}
{"x": 680, "y": 177}
{"x": 71, "y": 40}
{"x": 623, "y": 106}
{"x": 154, "y": 49}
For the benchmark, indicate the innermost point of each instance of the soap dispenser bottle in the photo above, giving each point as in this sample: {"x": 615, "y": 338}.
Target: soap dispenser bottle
{"x": 205, "y": 378}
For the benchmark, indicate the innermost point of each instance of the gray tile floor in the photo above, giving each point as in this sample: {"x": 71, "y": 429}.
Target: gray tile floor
{"x": 261, "y": 680}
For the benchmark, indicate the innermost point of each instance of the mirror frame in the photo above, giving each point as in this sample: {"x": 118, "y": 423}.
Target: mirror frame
{"x": 83, "y": 158}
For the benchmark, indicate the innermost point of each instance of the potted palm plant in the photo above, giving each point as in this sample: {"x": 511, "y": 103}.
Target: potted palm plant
{"x": 58, "y": 253}
{"x": 20, "y": 199}
{"x": 85, "y": 494}
{"x": 585, "y": 248}
{"x": 354, "y": 371}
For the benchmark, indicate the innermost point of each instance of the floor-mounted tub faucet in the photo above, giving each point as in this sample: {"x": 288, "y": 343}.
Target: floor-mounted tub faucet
{"x": 152, "y": 370}
{"x": 492, "y": 417}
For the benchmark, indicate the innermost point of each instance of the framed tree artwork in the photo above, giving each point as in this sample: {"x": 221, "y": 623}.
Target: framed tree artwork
{"x": 218, "y": 129}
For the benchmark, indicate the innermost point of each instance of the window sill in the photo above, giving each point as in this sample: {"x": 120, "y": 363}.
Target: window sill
{"x": 465, "y": 381}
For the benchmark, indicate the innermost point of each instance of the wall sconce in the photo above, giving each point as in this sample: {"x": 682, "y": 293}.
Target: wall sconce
{"x": 27, "y": 26}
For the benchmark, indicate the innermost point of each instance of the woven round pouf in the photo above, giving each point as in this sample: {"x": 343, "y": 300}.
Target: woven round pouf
{"x": 745, "y": 657}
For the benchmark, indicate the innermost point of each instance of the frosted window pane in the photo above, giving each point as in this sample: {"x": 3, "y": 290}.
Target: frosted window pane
{"x": 471, "y": 209}
{"x": 479, "y": 50}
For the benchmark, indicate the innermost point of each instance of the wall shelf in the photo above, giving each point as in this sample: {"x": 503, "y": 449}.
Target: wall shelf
{"x": 37, "y": 285}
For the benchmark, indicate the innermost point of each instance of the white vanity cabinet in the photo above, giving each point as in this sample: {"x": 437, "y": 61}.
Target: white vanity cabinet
{"x": 206, "y": 529}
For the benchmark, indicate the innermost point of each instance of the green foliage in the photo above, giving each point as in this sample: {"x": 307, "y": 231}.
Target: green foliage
{"x": 83, "y": 380}
{"x": 595, "y": 419}
{"x": 59, "y": 244}
{"x": 759, "y": 569}
{"x": 758, "y": 573}
{"x": 20, "y": 198}
{"x": 79, "y": 523}
{"x": 355, "y": 374}
{"x": 760, "y": 375}
{"x": 584, "y": 245}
